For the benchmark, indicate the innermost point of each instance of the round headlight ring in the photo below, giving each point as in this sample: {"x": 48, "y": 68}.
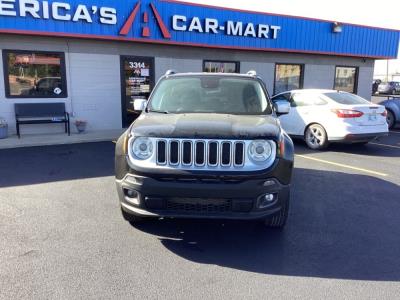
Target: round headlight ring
{"x": 142, "y": 148}
{"x": 260, "y": 151}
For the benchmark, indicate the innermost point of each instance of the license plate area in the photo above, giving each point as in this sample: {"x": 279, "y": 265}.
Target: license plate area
{"x": 373, "y": 117}
{"x": 199, "y": 205}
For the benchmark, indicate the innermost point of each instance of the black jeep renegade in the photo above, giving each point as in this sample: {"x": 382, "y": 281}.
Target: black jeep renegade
{"x": 206, "y": 146}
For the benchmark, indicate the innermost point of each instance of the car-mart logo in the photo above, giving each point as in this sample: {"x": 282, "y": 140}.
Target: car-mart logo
{"x": 145, "y": 29}
{"x": 229, "y": 27}
{"x": 199, "y": 25}
{"x": 108, "y": 16}
{"x": 63, "y": 11}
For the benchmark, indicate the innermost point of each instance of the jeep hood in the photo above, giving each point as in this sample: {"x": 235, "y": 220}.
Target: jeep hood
{"x": 207, "y": 126}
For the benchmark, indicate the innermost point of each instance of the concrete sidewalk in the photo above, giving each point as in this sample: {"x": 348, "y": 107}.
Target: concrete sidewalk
{"x": 32, "y": 140}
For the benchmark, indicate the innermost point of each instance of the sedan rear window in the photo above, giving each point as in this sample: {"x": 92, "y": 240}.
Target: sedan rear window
{"x": 346, "y": 98}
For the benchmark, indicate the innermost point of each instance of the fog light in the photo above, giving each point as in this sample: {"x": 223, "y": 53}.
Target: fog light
{"x": 266, "y": 200}
{"x": 132, "y": 196}
{"x": 269, "y": 197}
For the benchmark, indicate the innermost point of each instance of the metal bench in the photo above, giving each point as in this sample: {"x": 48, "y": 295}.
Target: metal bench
{"x": 41, "y": 113}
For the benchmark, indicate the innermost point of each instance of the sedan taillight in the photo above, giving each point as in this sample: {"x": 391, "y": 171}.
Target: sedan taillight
{"x": 384, "y": 114}
{"x": 347, "y": 113}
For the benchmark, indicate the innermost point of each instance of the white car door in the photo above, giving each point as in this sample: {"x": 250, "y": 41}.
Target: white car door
{"x": 306, "y": 108}
{"x": 285, "y": 120}
{"x": 311, "y": 108}
{"x": 295, "y": 122}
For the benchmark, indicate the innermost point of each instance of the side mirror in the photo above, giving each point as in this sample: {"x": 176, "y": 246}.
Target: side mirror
{"x": 139, "y": 104}
{"x": 282, "y": 107}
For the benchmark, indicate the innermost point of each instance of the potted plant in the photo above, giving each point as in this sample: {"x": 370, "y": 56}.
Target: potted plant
{"x": 80, "y": 125}
{"x": 3, "y": 128}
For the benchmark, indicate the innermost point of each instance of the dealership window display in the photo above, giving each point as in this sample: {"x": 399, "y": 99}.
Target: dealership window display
{"x": 288, "y": 77}
{"x": 346, "y": 79}
{"x": 137, "y": 83}
{"x": 212, "y": 66}
{"x": 34, "y": 74}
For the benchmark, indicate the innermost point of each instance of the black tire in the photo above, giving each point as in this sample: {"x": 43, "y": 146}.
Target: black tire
{"x": 132, "y": 219}
{"x": 390, "y": 119}
{"x": 315, "y": 137}
{"x": 279, "y": 220}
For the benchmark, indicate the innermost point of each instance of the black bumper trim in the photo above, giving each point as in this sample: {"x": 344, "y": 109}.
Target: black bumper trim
{"x": 247, "y": 191}
{"x": 232, "y": 216}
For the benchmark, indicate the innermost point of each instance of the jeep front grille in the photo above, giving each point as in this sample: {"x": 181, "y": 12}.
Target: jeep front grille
{"x": 201, "y": 153}
{"x": 219, "y": 155}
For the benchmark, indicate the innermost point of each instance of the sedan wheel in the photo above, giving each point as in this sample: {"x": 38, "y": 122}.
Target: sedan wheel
{"x": 316, "y": 137}
{"x": 390, "y": 119}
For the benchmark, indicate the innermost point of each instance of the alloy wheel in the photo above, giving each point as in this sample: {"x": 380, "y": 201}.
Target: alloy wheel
{"x": 316, "y": 137}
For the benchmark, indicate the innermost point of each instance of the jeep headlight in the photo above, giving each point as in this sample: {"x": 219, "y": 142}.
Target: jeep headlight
{"x": 142, "y": 148}
{"x": 260, "y": 151}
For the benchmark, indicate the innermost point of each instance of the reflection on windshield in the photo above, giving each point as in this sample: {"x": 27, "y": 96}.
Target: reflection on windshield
{"x": 210, "y": 94}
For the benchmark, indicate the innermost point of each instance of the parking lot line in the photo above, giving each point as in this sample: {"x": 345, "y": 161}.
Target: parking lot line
{"x": 342, "y": 165}
{"x": 384, "y": 145}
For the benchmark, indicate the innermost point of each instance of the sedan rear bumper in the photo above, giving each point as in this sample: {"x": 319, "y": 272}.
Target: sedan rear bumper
{"x": 350, "y": 133}
{"x": 358, "y": 138}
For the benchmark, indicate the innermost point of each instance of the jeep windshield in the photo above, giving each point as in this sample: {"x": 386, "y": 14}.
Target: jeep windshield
{"x": 210, "y": 94}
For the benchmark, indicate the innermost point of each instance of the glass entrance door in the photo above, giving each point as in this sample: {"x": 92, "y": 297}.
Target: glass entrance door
{"x": 137, "y": 83}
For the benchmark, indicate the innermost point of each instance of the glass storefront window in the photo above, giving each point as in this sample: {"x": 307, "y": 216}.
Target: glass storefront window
{"x": 34, "y": 74}
{"x": 221, "y": 66}
{"x": 288, "y": 77}
{"x": 137, "y": 83}
{"x": 346, "y": 79}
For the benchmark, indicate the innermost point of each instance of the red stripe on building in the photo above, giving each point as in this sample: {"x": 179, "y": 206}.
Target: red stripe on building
{"x": 160, "y": 22}
{"x": 128, "y": 24}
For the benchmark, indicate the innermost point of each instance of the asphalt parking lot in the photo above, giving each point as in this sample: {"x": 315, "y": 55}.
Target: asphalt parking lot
{"x": 379, "y": 98}
{"x": 62, "y": 235}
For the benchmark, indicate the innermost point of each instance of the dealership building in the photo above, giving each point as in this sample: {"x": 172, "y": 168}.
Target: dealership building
{"x": 98, "y": 56}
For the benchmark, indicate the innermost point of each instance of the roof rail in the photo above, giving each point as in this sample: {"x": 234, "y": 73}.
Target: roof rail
{"x": 252, "y": 73}
{"x": 170, "y": 72}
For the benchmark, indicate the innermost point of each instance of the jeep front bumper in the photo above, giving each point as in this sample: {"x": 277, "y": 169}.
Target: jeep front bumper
{"x": 194, "y": 197}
